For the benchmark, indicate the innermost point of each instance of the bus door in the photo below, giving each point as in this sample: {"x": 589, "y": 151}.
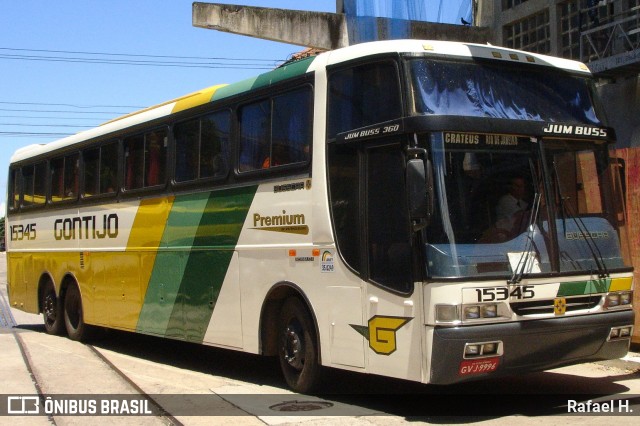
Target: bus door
{"x": 374, "y": 238}
{"x": 392, "y": 305}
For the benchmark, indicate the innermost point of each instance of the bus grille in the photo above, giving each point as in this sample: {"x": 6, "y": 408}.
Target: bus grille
{"x": 546, "y": 306}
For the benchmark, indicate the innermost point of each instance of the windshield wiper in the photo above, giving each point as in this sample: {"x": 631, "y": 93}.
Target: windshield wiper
{"x": 526, "y": 258}
{"x": 603, "y": 272}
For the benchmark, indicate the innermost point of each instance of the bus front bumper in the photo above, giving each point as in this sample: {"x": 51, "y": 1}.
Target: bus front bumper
{"x": 527, "y": 346}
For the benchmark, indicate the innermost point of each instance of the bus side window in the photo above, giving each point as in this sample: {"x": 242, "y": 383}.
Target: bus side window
{"x": 363, "y": 95}
{"x": 388, "y": 241}
{"x": 254, "y": 136}
{"x": 202, "y": 147}
{"x": 155, "y": 157}
{"x": 28, "y": 178}
{"x": 187, "y": 135}
{"x": 276, "y": 132}
{"x": 34, "y": 184}
{"x": 134, "y": 162}
{"x": 100, "y": 166}
{"x": 40, "y": 183}
{"x": 14, "y": 196}
{"x": 64, "y": 178}
{"x": 214, "y": 145}
{"x": 145, "y": 159}
{"x": 91, "y": 175}
{"x": 291, "y": 128}
{"x": 72, "y": 167}
{"x": 109, "y": 168}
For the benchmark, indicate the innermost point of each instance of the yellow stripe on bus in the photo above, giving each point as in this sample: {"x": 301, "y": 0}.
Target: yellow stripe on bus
{"x": 196, "y": 99}
{"x": 620, "y": 284}
{"x": 136, "y": 264}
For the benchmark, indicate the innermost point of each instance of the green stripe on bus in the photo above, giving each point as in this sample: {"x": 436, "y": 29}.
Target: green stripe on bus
{"x": 578, "y": 288}
{"x": 264, "y": 80}
{"x": 205, "y": 265}
{"x": 171, "y": 261}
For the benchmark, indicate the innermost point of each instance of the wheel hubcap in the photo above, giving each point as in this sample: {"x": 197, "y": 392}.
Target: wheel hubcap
{"x": 49, "y": 308}
{"x": 293, "y": 347}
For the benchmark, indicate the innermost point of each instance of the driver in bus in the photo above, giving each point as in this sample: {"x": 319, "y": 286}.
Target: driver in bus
{"x": 511, "y": 206}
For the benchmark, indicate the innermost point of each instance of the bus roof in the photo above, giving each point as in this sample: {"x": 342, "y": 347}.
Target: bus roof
{"x": 298, "y": 68}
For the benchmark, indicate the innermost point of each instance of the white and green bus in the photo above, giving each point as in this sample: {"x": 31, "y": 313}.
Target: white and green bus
{"x": 347, "y": 210}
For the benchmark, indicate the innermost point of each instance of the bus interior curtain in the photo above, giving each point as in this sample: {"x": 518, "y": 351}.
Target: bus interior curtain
{"x": 463, "y": 89}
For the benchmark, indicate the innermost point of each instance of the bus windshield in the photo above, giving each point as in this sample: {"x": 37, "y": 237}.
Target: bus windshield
{"x": 481, "y": 89}
{"x": 513, "y": 206}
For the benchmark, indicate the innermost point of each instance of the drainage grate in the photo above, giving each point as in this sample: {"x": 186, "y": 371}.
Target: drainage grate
{"x": 293, "y": 406}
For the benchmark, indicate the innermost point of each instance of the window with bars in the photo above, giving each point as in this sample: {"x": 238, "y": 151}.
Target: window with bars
{"x": 570, "y": 28}
{"x": 531, "y": 34}
{"x": 596, "y": 19}
{"x": 508, "y": 4}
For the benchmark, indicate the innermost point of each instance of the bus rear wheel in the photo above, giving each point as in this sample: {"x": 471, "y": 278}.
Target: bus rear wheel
{"x": 298, "y": 347}
{"x": 73, "y": 315}
{"x": 52, "y": 311}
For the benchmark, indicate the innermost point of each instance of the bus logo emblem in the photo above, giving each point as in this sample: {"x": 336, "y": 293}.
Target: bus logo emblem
{"x": 560, "y": 306}
{"x": 381, "y": 333}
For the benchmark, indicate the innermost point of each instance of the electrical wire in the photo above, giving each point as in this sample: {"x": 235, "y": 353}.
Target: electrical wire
{"x": 100, "y": 58}
{"x": 69, "y": 105}
{"x": 134, "y": 59}
{"x": 138, "y": 55}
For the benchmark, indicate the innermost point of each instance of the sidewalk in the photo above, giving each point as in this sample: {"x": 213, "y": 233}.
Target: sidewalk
{"x": 630, "y": 362}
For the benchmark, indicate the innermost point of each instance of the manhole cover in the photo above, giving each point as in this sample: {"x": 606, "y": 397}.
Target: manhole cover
{"x": 301, "y": 406}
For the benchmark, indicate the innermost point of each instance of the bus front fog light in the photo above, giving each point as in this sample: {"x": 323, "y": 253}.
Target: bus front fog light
{"x": 614, "y": 333}
{"x": 472, "y": 350}
{"x": 625, "y": 332}
{"x": 489, "y": 311}
{"x": 489, "y": 348}
{"x": 446, "y": 313}
{"x": 471, "y": 312}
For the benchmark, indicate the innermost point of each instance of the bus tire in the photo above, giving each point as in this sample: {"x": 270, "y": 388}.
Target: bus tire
{"x": 52, "y": 311}
{"x": 73, "y": 314}
{"x": 298, "y": 347}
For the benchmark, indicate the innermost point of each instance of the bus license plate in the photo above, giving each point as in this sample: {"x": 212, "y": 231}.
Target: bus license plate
{"x": 479, "y": 366}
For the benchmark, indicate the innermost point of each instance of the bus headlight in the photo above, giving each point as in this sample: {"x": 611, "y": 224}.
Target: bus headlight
{"x": 447, "y": 313}
{"x": 613, "y": 300}
{"x": 455, "y": 314}
{"x": 489, "y": 311}
{"x": 618, "y": 299}
{"x": 471, "y": 312}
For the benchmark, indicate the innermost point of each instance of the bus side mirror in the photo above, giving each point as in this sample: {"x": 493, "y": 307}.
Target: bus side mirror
{"x": 419, "y": 192}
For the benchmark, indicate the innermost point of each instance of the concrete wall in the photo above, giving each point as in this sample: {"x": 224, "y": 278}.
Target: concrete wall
{"x": 621, "y": 100}
{"x": 317, "y": 29}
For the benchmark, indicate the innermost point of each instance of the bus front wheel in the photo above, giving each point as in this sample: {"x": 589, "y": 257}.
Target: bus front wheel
{"x": 51, "y": 310}
{"x": 73, "y": 315}
{"x": 298, "y": 347}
